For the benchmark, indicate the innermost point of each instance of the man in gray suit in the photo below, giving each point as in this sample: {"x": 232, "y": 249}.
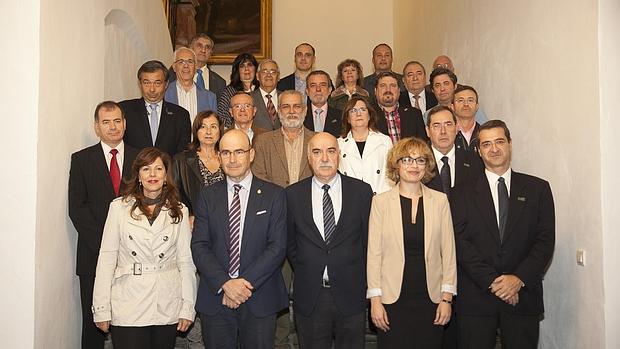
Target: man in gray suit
{"x": 266, "y": 96}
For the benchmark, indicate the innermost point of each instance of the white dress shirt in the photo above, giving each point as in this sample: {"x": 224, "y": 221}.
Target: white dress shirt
{"x": 274, "y": 97}
{"x": 148, "y": 111}
{"x": 323, "y": 116}
{"x": 119, "y": 156}
{"x": 493, "y": 181}
{"x": 244, "y": 194}
{"x": 188, "y": 100}
{"x": 335, "y": 193}
{"x": 451, "y": 161}
{"x": 248, "y": 132}
{"x": 421, "y": 100}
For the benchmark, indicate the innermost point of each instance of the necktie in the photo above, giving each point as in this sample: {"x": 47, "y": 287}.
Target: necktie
{"x": 417, "y": 101}
{"x": 329, "y": 221}
{"x": 154, "y": 122}
{"x": 234, "y": 219}
{"x": 502, "y": 198}
{"x": 446, "y": 179}
{"x": 318, "y": 123}
{"x": 271, "y": 109}
{"x": 200, "y": 81}
{"x": 115, "y": 172}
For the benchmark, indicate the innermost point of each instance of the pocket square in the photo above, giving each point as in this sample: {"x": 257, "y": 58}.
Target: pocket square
{"x": 261, "y": 212}
{"x": 465, "y": 164}
{"x": 333, "y": 121}
{"x": 521, "y": 198}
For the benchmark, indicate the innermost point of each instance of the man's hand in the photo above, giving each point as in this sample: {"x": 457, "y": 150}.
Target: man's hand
{"x": 184, "y": 324}
{"x": 103, "y": 325}
{"x": 506, "y": 286}
{"x": 227, "y": 302}
{"x": 513, "y": 300}
{"x": 238, "y": 290}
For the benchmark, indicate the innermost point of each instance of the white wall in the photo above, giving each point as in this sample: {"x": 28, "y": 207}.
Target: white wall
{"x": 78, "y": 70}
{"x": 609, "y": 72}
{"x": 20, "y": 66}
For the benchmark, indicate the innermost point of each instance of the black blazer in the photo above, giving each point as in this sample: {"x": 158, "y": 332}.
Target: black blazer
{"x": 174, "y": 127}
{"x": 525, "y": 251}
{"x": 472, "y": 146}
{"x": 286, "y": 83}
{"x": 187, "y": 178}
{"x": 263, "y": 247}
{"x": 431, "y": 100}
{"x": 345, "y": 256}
{"x": 333, "y": 120}
{"x": 90, "y": 194}
{"x": 411, "y": 122}
{"x": 468, "y": 167}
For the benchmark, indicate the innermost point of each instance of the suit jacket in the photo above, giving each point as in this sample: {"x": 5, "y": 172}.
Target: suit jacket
{"x": 216, "y": 82}
{"x": 205, "y": 99}
{"x": 90, "y": 194}
{"x": 262, "y": 118}
{"x": 525, "y": 251}
{"x": 333, "y": 120}
{"x": 411, "y": 124}
{"x": 270, "y": 160}
{"x": 263, "y": 247}
{"x": 386, "y": 247}
{"x": 345, "y": 256}
{"x": 431, "y": 100}
{"x": 174, "y": 131}
{"x": 467, "y": 166}
{"x": 286, "y": 83}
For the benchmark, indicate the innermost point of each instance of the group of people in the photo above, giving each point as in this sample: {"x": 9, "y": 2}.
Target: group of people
{"x": 370, "y": 196}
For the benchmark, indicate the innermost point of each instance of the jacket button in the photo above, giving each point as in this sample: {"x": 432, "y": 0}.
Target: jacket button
{"x": 165, "y": 238}
{"x": 130, "y": 237}
{"x": 344, "y": 155}
{"x": 133, "y": 253}
{"x": 378, "y": 171}
{"x": 161, "y": 255}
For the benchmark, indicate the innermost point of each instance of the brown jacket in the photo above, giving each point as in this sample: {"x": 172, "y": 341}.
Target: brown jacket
{"x": 270, "y": 160}
{"x": 386, "y": 249}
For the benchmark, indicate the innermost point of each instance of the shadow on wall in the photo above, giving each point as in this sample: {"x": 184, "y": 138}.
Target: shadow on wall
{"x": 125, "y": 51}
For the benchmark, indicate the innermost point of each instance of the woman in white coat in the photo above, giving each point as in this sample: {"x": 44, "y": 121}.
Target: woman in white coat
{"x": 363, "y": 149}
{"x": 145, "y": 285}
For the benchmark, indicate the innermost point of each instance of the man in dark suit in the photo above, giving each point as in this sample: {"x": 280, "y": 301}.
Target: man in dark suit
{"x": 504, "y": 227}
{"x": 238, "y": 245}
{"x": 319, "y": 116}
{"x": 416, "y": 94}
{"x": 206, "y": 78}
{"x": 465, "y": 106}
{"x": 94, "y": 181}
{"x": 382, "y": 57}
{"x": 304, "y": 62}
{"x": 327, "y": 238}
{"x": 393, "y": 119}
{"x": 151, "y": 121}
{"x": 266, "y": 96}
{"x": 455, "y": 167}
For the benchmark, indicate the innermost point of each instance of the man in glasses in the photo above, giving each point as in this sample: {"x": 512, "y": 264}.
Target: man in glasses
{"x": 243, "y": 110}
{"x": 238, "y": 245}
{"x": 185, "y": 92}
{"x": 266, "y": 96}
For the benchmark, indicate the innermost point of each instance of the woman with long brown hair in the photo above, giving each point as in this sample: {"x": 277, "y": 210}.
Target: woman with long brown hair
{"x": 145, "y": 288}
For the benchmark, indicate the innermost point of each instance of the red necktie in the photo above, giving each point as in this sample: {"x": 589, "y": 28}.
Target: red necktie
{"x": 115, "y": 172}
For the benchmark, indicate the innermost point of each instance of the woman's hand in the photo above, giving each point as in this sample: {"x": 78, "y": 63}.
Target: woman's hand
{"x": 184, "y": 324}
{"x": 103, "y": 325}
{"x": 443, "y": 314}
{"x": 378, "y": 314}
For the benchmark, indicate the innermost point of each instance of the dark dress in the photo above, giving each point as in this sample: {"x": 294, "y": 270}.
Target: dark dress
{"x": 411, "y": 316}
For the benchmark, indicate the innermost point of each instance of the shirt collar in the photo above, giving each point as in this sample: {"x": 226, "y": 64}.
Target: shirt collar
{"x": 332, "y": 184}
{"x": 106, "y": 148}
{"x": 492, "y": 177}
{"x": 245, "y": 183}
{"x": 148, "y": 105}
{"x": 439, "y": 155}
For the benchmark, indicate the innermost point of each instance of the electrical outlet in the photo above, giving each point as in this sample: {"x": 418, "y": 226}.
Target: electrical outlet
{"x": 581, "y": 257}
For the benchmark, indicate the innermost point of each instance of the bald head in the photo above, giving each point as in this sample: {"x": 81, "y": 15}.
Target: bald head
{"x": 323, "y": 156}
{"x": 236, "y": 154}
{"x": 443, "y": 61}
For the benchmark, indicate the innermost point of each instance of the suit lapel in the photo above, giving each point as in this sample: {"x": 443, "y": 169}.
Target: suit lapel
{"x": 396, "y": 219}
{"x": 101, "y": 167}
{"x": 192, "y": 162}
{"x": 303, "y": 164}
{"x": 255, "y": 198}
{"x": 278, "y": 145}
{"x": 516, "y": 202}
{"x": 166, "y": 122}
{"x": 484, "y": 202}
{"x": 144, "y": 119}
{"x": 315, "y": 235}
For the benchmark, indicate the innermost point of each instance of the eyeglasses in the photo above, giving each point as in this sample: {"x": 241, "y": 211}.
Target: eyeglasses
{"x": 358, "y": 110}
{"x": 268, "y": 71}
{"x": 242, "y": 106}
{"x": 184, "y": 61}
{"x": 225, "y": 154}
{"x": 408, "y": 161}
{"x": 436, "y": 126}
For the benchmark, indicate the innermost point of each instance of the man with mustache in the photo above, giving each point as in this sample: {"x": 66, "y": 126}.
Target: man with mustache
{"x": 392, "y": 119}
{"x": 327, "y": 237}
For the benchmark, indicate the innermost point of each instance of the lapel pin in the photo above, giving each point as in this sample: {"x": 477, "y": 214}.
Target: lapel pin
{"x": 465, "y": 164}
{"x": 521, "y": 198}
{"x": 259, "y": 191}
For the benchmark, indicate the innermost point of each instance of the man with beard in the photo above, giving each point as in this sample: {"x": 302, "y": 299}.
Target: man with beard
{"x": 392, "y": 119}
{"x": 280, "y": 159}
{"x": 321, "y": 117}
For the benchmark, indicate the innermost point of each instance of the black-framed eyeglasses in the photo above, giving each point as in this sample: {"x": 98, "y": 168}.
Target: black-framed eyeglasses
{"x": 225, "y": 154}
{"x": 408, "y": 160}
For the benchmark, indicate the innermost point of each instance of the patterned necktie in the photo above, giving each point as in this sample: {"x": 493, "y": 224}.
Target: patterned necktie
{"x": 446, "y": 179}
{"x": 271, "y": 109}
{"x": 502, "y": 198}
{"x": 154, "y": 122}
{"x": 318, "y": 123}
{"x": 234, "y": 219}
{"x": 417, "y": 101}
{"x": 329, "y": 220}
{"x": 115, "y": 172}
{"x": 200, "y": 81}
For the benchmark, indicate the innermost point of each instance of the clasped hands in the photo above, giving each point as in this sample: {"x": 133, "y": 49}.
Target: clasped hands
{"x": 236, "y": 292}
{"x": 506, "y": 287}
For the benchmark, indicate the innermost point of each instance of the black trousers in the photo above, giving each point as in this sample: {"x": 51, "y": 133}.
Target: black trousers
{"x": 232, "y": 327}
{"x": 411, "y": 326}
{"x": 92, "y": 337}
{"x": 516, "y": 331}
{"x": 147, "y": 337}
{"x": 326, "y": 325}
